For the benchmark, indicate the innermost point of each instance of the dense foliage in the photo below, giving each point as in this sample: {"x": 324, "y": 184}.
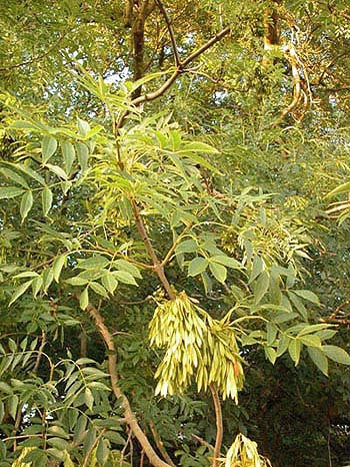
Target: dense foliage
{"x": 174, "y": 232}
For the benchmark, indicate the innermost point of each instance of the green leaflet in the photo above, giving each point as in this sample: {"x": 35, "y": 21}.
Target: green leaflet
{"x": 48, "y": 147}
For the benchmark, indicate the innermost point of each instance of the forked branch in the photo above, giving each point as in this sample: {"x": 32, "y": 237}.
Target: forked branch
{"x": 181, "y": 68}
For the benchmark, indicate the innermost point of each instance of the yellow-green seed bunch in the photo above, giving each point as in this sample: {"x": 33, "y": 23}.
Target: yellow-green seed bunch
{"x": 244, "y": 453}
{"x": 197, "y": 347}
{"x": 223, "y": 362}
{"x": 177, "y": 327}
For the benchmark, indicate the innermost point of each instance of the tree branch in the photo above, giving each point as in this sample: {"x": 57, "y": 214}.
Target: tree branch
{"x": 219, "y": 425}
{"x": 171, "y": 32}
{"x": 177, "y": 72}
{"x": 149, "y": 247}
{"x": 160, "y": 445}
{"x": 130, "y": 417}
{"x": 206, "y": 46}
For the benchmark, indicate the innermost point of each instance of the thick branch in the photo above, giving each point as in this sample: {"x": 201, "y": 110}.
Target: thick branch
{"x": 219, "y": 425}
{"x": 130, "y": 417}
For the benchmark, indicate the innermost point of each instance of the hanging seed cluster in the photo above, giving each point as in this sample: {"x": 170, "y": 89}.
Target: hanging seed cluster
{"x": 197, "y": 348}
{"x": 244, "y": 453}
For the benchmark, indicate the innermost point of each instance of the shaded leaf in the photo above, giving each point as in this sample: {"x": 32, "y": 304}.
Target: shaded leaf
{"x": 337, "y": 354}
{"x": 319, "y": 359}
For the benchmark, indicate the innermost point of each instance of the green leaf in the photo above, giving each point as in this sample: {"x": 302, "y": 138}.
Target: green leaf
{"x": 57, "y": 266}
{"x": 76, "y": 281}
{"x": 283, "y": 345}
{"x": 2, "y": 413}
{"x": 115, "y": 438}
{"x": 48, "y": 147}
{"x": 343, "y": 188}
{"x": 109, "y": 282}
{"x": 58, "y": 431}
{"x": 311, "y": 328}
{"x": 102, "y": 452}
{"x": 36, "y": 285}
{"x": 124, "y": 265}
{"x": 35, "y": 458}
{"x": 218, "y": 271}
{"x": 124, "y": 277}
{"x": 13, "y": 405}
{"x": 10, "y": 192}
{"x": 319, "y": 359}
{"x": 57, "y": 170}
{"x": 271, "y": 330}
{"x": 26, "y": 204}
{"x": 83, "y": 127}
{"x": 271, "y": 354}
{"x": 197, "y": 266}
{"x": 227, "y": 261}
{"x": 311, "y": 340}
{"x": 58, "y": 443}
{"x": 88, "y": 398}
{"x": 2, "y": 443}
{"x": 46, "y": 199}
{"x": 83, "y": 155}
{"x": 258, "y": 268}
{"x": 187, "y": 246}
{"x": 20, "y": 291}
{"x": 337, "y": 354}
{"x": 261, "y": 286}
{"x": 84, "y": 298}
{"x": 14, "y": 177}
{"x": 23, "y": 275}
{"x": 80, "y": 428}
{"x": 95, "y": 262}
{"x": 294, "y": 349}
{"x": 298, "y": 304}
{"x": 99, "y": 289}
{"x": 308, "y": 295}
{"x": 31, "y": 173}
{"x": 68, "y": 152}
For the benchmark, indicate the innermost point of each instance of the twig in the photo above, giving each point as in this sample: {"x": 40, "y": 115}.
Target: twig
{"x": 122, "y": 452}
{"x": 89, "y": 452}
{"x": 206, "y": 46}
{"x": 149, "y": 298}
{"x": 40, "y": 351}
{"x": 160, "y": 445}
{"x": 203, "y": 442}
{"x": 35, "y": 59}
{"x": 171, "y": 32}
{"x": 174, "y": 245}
